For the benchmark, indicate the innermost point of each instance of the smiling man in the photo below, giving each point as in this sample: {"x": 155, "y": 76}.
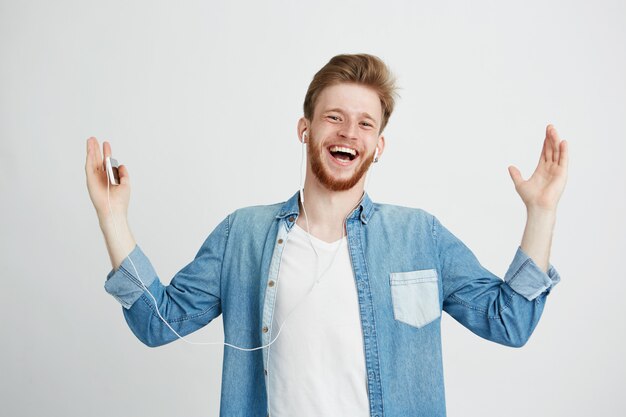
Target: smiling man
{"x": 331, "y": 303}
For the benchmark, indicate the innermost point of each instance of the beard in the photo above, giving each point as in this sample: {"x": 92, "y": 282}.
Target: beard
{"x": 325, "y": 177}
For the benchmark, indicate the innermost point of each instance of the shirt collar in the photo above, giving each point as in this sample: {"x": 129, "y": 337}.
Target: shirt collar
{"x": 291, "y": 210}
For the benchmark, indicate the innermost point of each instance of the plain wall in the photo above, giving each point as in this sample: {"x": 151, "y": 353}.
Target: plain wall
{"x": 200, "y": 100}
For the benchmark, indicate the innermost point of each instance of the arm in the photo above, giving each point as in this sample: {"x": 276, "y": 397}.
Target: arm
{"x": 189, "y": 302}
{"x": 193, "y": 297}
{"x": 503, "y": 311}
{"x": 541, "y": 194}
{"x": 508, "y": 311}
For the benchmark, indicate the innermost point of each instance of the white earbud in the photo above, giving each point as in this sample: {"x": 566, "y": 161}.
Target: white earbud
{"x": 302, "y": 166}
{"x": 376, "y": 155}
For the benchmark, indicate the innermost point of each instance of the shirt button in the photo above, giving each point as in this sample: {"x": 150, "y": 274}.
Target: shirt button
{"x": 271, "y": 283}
{"x": 291, "y": 219}
{"x": 264, "y": 329}
{"x": 280, "y": 241}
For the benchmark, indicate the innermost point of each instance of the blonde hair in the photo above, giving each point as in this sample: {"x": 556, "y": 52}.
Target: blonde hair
{"x": 364, "y": 69}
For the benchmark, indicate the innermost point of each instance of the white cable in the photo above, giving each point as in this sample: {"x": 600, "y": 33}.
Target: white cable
{"x": 166, "y": 322}
{"x": 317, "y": 280}
{"x": 156, "y": 303}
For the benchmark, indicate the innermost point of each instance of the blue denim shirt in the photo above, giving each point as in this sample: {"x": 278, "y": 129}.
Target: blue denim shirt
{"x": 407, "y": 268}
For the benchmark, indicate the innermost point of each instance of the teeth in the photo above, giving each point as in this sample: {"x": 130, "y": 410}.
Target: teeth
{"x": 340, "y": 149}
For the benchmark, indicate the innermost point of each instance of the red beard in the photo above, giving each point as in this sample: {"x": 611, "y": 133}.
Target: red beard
{"x": 321, "y": 172}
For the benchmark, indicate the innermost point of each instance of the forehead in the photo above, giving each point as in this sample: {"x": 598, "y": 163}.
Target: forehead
{"x": 351, "y": 98}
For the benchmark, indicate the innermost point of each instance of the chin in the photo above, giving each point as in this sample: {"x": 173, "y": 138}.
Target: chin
{"x": 334, "y": 183}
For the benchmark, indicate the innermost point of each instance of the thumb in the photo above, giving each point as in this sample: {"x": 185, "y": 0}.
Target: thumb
{"x": 516, "y": 176}
{"x": 124, "y": 178}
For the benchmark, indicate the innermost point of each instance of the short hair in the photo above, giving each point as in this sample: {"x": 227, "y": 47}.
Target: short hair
{"x": 364, "y": 69}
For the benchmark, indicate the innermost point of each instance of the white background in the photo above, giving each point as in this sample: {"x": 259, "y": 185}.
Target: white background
{"x": 200, "y": 100}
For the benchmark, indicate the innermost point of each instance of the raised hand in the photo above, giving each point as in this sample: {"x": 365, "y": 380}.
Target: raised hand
{"x": 97, "y": 182}
{"x": 544, "y": 188}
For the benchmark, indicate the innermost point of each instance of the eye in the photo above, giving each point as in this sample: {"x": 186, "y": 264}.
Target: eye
{"x": 335, "y": 118}
{"x": 367, "y": 124}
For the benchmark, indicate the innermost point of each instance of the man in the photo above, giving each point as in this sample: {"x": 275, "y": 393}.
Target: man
{"x": 353, "y": 329}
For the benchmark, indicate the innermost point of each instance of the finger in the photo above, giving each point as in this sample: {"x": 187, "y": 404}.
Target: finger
{"x": 547, "y": 146}
{"x": 516, "y": 176}
{"x": 555, "y": 141}
{"x": 97, "y": 156}
{"x": 124, "y": 177}
{"x": 88, "y": 156}
{"x": 96, "y": 159}
{"x": 106, "y": 147}
{"x": 564, "y": 159}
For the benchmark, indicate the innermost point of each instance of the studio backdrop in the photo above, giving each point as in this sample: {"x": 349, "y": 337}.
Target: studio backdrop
{"x": 200, "y": 100}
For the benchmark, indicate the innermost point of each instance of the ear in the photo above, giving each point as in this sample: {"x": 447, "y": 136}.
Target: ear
{"x": 381, "y": 145}
{"x": 303, "y": 126}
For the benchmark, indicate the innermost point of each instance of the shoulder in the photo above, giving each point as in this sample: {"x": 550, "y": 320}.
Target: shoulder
{"x": 254, "y": 217}
{"x": 411, "y": 215}
{"x": 258, "y": 211}
{"x": 401, "y": 223}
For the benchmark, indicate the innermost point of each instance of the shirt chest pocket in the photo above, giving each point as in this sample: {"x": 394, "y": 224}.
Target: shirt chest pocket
{"x": 415, "y": 297}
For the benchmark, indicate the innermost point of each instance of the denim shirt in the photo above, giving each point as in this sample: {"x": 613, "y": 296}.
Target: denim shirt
{"x": 407, "y": 268}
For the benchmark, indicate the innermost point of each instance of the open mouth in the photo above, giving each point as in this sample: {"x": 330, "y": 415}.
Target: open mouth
{"x": 343, "y": 154}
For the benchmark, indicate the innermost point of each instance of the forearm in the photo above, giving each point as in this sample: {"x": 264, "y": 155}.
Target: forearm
{"x": 537, "y": 238}
{"x": 120, "y": 244}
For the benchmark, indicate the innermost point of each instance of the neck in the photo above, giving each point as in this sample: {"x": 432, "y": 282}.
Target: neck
{"x": 326, "y": 209}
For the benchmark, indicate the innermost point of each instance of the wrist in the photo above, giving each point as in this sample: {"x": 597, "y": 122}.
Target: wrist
{"x": 540, "y": 220}
{"x": 106, "y": 220}
{"x": 544, "y": 212}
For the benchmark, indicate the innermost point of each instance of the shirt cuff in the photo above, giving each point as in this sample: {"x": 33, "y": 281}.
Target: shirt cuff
{"x": 124, "y": 283}
{"x": 527, "y": 279}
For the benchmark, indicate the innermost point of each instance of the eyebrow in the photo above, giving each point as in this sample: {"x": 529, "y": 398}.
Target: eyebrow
{"x": 338, "y": 110}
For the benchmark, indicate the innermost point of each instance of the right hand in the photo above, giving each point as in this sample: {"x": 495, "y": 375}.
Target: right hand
{"x": 97, "y": 182}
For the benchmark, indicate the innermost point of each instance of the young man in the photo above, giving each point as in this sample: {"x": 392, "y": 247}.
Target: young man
{"x": 344, "y": 295}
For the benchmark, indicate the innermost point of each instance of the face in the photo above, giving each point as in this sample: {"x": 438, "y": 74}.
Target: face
{"x": 343, "y": 135}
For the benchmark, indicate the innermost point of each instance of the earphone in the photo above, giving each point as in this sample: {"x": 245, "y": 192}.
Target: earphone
{"x": 302, "y": 167}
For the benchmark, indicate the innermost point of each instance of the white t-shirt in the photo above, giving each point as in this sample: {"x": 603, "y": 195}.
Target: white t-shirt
{"x": 317, "y": 364}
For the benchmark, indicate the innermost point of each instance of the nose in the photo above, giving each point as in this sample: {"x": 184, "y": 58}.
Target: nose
{"x": 349, "y": 129}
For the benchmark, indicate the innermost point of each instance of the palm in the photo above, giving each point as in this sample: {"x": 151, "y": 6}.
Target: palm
{"x": 545, "y": 186}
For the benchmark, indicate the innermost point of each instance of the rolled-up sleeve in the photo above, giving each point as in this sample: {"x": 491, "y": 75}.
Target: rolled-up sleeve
{"x": 124, "y": 283}
{"x": 527, "y": 279}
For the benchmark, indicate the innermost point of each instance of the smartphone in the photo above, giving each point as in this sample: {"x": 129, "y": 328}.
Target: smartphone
{"x": 112, "y": 170}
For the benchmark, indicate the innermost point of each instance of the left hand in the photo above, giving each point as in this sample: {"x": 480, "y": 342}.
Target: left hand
{"x": 544, "y": 188}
